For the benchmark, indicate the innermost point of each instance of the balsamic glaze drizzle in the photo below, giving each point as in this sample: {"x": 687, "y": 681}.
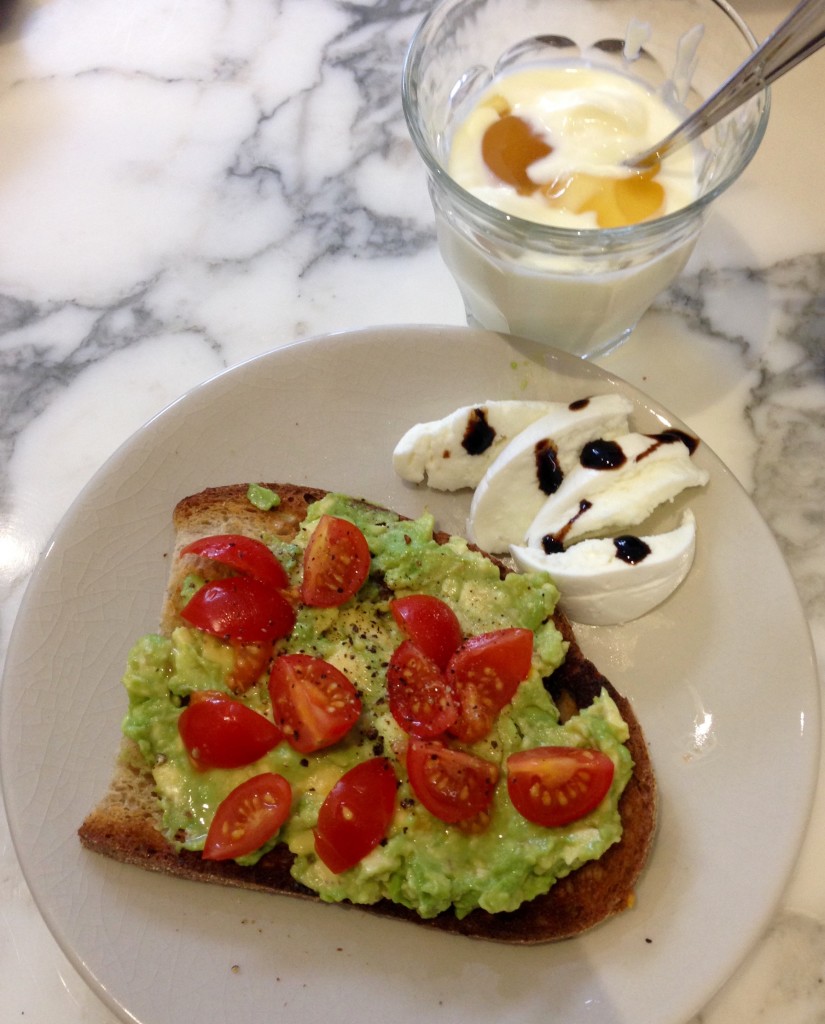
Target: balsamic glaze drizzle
{"x": 670, "y": 436}
{"x": 552, "y": 543}
{"x": 631, "y": 549}
{"x": 601, "y": 454}
{"x": 478, "y": 434}
{"x": 548, "y": 471}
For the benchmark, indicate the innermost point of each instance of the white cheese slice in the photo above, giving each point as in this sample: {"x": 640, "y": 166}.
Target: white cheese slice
{"x": 455, "y": 451}
{"x": 592, "y": 501}
{"x": 532, "y": 465}
{"x": 599, "y": 588}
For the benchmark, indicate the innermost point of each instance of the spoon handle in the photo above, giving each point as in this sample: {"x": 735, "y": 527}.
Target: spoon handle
{"x": 797, "y": 37}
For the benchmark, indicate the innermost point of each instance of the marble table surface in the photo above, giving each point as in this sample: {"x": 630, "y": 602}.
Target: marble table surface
{"x": 187, "y": 183}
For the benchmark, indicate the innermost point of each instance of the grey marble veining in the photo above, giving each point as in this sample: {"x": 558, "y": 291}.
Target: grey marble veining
{"x": 784, "y": 409}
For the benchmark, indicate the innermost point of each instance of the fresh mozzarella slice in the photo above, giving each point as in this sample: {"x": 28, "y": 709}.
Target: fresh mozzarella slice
{"x": 617, "y": 484}
{"x": 599, "y": 587}
{"x": 533, "y": 464}
{"x": 455, "y": 452}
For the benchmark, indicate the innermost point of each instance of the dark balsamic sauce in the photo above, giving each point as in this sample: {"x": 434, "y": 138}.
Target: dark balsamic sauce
{"x": 548, "y": 471}
{"x": 601, "y": 454}
{"x": 478, "y": 434}
{"x": 670, "y": 436}
{"x": 553, "y": 543}
{"x": 631, "y": 549}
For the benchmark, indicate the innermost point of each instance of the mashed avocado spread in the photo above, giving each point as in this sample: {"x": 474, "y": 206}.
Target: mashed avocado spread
{"x": 423, "y": 864}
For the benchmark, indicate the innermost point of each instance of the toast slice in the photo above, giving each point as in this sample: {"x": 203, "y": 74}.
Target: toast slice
{"x": 125, "y": 824}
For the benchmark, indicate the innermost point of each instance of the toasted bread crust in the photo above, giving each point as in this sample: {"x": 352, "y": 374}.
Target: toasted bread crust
{"x": 123, "y": 825}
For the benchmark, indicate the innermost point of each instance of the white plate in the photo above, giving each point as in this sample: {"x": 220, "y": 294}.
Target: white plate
{"x": 722, "y": 677}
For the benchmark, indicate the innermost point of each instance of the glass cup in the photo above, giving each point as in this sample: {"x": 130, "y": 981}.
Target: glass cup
{"x": 578, "y": 289}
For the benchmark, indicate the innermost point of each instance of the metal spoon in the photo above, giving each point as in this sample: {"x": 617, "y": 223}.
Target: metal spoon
{"x": 797, "y": 37}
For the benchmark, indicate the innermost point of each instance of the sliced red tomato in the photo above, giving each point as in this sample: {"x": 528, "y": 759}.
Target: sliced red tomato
{"x": 336, "y": 563}
{"x": 430, "y": 623}
{"x": 553, "y": 786}
{"x": 240, "y": 608}
{"x": 452, "y": 784}
{"x": 250, "y": 661}
{"x": 312, "y": 701}
{"x": 356, "y": 814}
{"x": 247, "y": 555}
{"x": 219, "y": 732}
{"x": 420, "y": 698}
{"x": 485, "y": 673}
{"x": 250, "y": 816}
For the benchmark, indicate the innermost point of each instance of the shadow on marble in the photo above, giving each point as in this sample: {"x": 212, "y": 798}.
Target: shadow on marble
{"x": 783, "y": 981}
{"x": 11, "y": 18}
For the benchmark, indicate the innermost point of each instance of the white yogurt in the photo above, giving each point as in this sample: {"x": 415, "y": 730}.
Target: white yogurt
{"x": 578, "y": 293}
{"x": 591, "y": 120}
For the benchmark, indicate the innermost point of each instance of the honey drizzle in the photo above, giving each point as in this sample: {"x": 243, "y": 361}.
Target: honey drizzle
{"x": 510, "y": 145}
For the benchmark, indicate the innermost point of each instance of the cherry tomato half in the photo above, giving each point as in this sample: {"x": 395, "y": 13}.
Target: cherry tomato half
{"x": 247, "y": 555}
{"x": 452, "y": 784}
{"x": 356, "y": 814}
{"x": 248, "y": 665}
{"x": 485, "y": 673}
{"x": 430, "y": 623}
{"x": 420, "y": 698}
{"x": 240, "y": 608}
{"x": 219, "y": 732}
{"x": 556, "y": 785}
{"x": 312, "y": 701}
{"x": 250, "y": 816}
{"x": 336, "y": 563}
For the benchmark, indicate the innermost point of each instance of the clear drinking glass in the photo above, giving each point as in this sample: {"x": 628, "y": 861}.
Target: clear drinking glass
{"x": 581, "y": 290}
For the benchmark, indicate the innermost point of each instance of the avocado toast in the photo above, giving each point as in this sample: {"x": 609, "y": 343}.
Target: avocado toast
{"x": 444, "y": 875}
